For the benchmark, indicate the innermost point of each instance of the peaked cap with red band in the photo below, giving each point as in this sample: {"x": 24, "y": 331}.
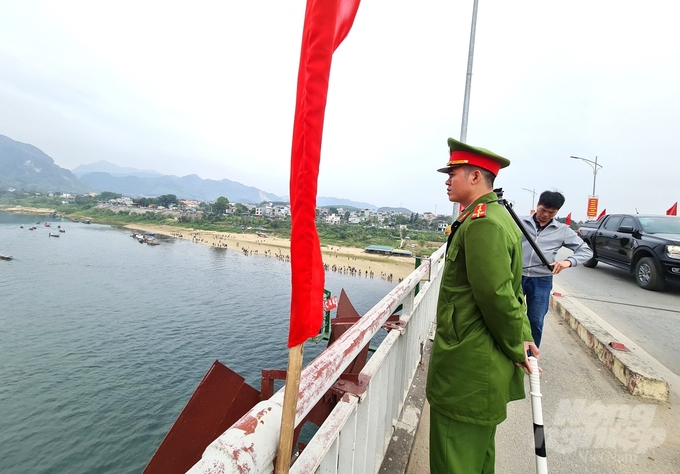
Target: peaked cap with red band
{"x": 464, "y": 154}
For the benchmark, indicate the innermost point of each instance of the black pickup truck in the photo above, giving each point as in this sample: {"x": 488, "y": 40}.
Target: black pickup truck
{"x": 646, "y": 245}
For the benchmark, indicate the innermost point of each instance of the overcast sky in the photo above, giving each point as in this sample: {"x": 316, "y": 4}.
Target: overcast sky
{"x": 208, "y": 88}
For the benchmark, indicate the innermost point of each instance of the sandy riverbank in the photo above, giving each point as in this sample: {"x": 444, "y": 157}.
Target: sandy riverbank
{"x": 381, "y": 266}
{"x": 28, "y": 210}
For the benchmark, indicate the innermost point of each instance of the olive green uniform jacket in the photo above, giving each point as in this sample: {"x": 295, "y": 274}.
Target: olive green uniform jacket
{"x": 481, "y": 320}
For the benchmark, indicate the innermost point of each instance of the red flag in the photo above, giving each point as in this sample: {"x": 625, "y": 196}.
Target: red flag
{"x": 327, "y": 22}
{"x": 602, "y": 214}
{"x": 568, "y": 221}
{"x": 673, "y": 210}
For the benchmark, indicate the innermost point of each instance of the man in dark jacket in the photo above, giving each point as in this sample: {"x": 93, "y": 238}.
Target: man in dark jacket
{"x": 483, "y": 333}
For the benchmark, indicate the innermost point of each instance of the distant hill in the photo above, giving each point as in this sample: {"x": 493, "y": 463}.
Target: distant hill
{"x": 23, "y": 166}
{"x": 114, "y": 170}
{"x": 186, "y": 187}
{"x": 339, "y": 202}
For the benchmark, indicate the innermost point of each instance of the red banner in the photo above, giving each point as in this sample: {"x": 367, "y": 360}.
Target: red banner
{"x": 592, "y": 207}
{"x": 327, "y": 22}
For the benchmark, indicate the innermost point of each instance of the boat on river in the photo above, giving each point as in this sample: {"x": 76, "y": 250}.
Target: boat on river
{"x": 53, "y": 235}
{"x": 5, "y": 257}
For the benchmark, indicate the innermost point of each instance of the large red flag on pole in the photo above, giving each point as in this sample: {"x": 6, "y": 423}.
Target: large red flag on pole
{"x": 673, "y": 210}
{"x": 327, "y": 23}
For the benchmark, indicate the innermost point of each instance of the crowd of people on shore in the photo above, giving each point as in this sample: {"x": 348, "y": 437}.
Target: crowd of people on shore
{"x": 220, "y": 241}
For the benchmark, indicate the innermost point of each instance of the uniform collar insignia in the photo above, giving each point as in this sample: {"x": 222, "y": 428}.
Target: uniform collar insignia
{"x": 480, "y": 211}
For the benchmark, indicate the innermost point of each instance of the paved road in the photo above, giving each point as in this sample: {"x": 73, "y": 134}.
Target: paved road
{"x": 592, "y": 424}
{"x": 650, "y": 318}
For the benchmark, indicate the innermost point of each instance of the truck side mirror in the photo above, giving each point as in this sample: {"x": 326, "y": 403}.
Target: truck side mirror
{"x": 625, "y": 229}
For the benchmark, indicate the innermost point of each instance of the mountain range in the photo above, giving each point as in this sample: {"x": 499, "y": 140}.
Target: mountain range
{"x": 23, "y": 166}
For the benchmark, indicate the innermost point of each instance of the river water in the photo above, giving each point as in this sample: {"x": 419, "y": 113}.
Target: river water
{"x": 103, "y": 339}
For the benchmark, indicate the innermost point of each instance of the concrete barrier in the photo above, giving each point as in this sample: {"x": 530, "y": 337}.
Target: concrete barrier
{"x": 638, "y": 378}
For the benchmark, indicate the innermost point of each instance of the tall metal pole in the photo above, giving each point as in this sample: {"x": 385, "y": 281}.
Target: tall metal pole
{"x": 593, "y": 165}
{"x": 533, "y": 196}
{"x": 468, "y": 78}
{"x": 468, "y": 84}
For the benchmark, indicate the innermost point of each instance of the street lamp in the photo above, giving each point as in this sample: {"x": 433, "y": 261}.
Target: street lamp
{"x": 593, "y": 164}
{"x": 533, "y": 196}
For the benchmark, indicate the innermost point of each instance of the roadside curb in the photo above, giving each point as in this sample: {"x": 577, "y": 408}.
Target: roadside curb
{"x": 638, "y": 378}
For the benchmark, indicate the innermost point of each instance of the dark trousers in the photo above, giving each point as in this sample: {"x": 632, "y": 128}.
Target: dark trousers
{"x": 537, "y": 292}
{"x": 460, "y": 448}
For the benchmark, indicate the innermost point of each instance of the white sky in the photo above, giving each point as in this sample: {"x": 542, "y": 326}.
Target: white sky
{"x": 208, "y": 87}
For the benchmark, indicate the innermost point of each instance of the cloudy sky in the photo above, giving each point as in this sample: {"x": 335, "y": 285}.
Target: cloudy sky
{"x": 208, "y": 88}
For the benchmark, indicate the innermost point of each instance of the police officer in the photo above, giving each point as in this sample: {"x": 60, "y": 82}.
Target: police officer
{"x": 483, "y": 334}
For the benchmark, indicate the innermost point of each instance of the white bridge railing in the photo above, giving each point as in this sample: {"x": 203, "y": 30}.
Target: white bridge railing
{"x": 355, "y": 436}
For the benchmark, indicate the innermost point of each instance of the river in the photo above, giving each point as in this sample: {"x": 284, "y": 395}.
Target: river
{"x": 104, "y": 339}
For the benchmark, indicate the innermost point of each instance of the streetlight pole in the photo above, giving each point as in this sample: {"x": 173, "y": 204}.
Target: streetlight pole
{"x": 533, "y": 196}
{"x": 468, "y": 85}
{"x": 468, "y": 77}
{"x": 593, "y": 165}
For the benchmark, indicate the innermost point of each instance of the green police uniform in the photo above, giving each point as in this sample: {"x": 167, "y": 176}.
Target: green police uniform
{"x": 481, "y": 329}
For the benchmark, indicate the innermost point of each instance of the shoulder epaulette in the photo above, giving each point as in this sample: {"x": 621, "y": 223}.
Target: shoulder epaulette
{"x": 480, "y": 211}
{"x": 462, "y": 217}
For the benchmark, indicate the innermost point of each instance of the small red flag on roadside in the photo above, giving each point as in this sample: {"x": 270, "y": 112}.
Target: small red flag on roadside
{"x": 568, "y": 221}
{"x": 673, "y": 211}
{"x": 602, "y": 214}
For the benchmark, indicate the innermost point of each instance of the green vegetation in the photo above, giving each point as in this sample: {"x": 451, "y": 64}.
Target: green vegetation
{"x": 213, "y": 218}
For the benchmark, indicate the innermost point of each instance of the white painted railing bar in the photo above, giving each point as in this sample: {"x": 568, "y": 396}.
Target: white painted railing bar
{"x": 392, "y": 359}
{"x": 249, "y": 446}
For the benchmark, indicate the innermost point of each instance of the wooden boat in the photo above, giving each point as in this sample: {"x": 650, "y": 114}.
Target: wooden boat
{"x": 62, "y": 230}
{"x": 5, "y": 257}
{"x": 53, "y": 235}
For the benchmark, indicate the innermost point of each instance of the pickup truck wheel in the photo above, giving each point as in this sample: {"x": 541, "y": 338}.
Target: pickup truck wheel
{"x": 648, "y": 276}
{"x": 592, "y": 263}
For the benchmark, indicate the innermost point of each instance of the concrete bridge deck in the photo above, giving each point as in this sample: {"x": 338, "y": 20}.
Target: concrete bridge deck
{"x": 592, "y": 421}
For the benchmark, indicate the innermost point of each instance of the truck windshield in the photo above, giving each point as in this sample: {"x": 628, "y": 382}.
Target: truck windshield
{"x": 660, "y": 225}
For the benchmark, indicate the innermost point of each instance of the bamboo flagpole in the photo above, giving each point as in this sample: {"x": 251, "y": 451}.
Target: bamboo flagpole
{"x": 290, "y": 397}
{"x": 327, "y": 23}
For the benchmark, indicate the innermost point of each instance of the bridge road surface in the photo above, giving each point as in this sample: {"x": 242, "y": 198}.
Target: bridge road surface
{"x": 592, "y": 424}
{"x": 650, "y": 318}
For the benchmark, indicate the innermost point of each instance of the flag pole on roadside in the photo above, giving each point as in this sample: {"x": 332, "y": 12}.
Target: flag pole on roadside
{"x": 326, "y": 24}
